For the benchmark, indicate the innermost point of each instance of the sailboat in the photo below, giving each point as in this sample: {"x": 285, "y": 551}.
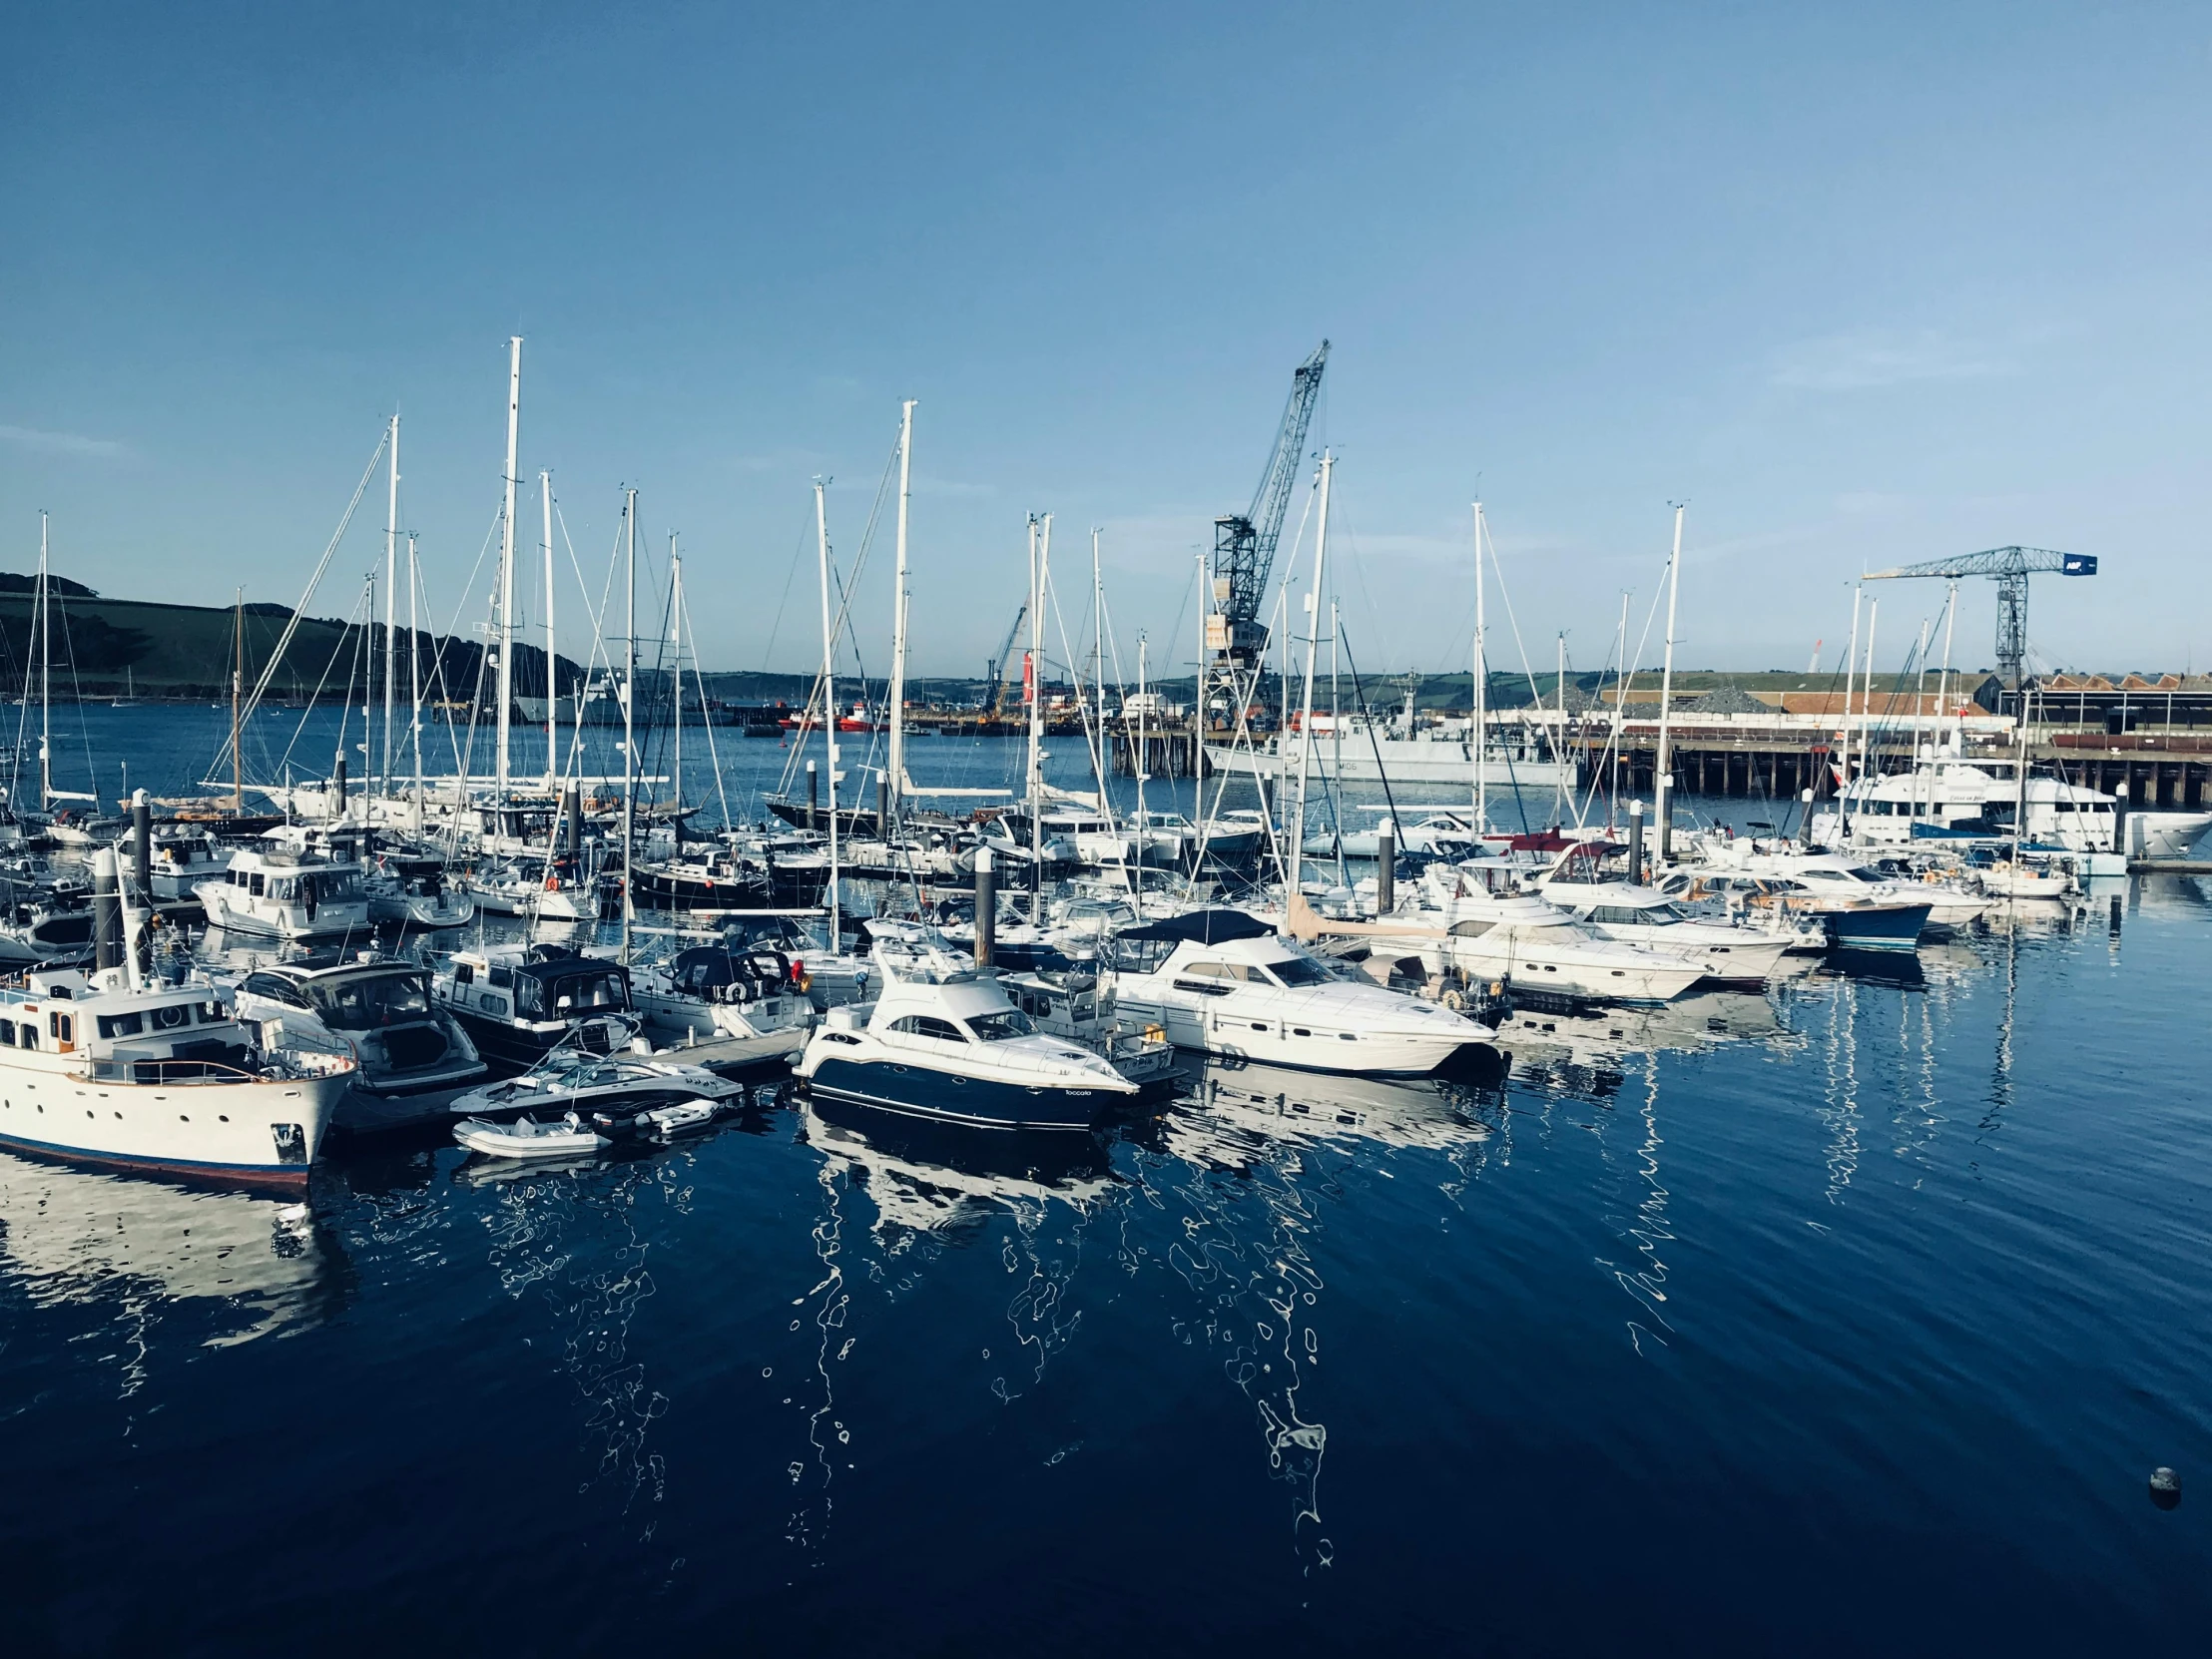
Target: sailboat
{"x": 129, "y": 697}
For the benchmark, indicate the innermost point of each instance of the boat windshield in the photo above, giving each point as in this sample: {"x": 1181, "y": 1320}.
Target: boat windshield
{"x": 1860, "y": 873}
{"x": 365, "y": 1003}
{"x": 998, "y": 1027}
{"x": 1296, "y": 970}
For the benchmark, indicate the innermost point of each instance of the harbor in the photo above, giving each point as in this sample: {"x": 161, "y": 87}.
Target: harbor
{"x": 1137, "y": 832}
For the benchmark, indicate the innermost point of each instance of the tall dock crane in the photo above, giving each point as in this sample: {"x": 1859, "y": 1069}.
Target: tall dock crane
{"x": 2011, "y": 566}
{"x": 1243, "y": 543}
{"x": 994, "y": 671}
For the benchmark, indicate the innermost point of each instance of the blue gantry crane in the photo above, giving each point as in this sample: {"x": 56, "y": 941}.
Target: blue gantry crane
{"x": 2011, "y": 567}
{"x": 1243, "y": 543}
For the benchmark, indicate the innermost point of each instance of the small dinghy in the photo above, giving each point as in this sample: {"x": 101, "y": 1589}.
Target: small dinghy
{"x": 527, "y": 1138}
{"x": 663, "y": 1122}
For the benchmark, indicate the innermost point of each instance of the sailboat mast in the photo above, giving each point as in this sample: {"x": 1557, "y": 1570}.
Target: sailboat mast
{"x": 1041, "y": 559}
{"x": 414, "y": 676}
{"x": 237, "y": 684}
{"x": 676, "y": 654}
{"x": 896, "y": 766}
{"x": 1295, "y": 827}
{"x": 552, "y": 690}
{"x": 1665, "y": 769}
{"x": 1943, "y": 682}
{"x": 391, "y": 576}
{"x": 829, "y": 697}
{"x": 1851, "y": 704}
{"x": 507, "y": 565}
{"x": 1144, "y": 707}
{"x": 1866, "y": 696}
{"x": 1480, "y": 746}
{"x": 44, "y": 679}
{"x": 628, "y": 710}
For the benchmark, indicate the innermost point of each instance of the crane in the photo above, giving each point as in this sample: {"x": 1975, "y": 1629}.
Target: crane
{"x": 2011, "y": 566}
{"x": 994, "y": 671}
{"x": 1243, "y": 543}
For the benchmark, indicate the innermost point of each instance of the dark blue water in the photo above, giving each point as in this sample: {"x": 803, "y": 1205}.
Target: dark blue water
{"x": 1852, "y": 1317}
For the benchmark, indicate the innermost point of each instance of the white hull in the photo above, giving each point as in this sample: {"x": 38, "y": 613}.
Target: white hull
{"x": 1403, "y": 762}
{"x": 268, "y": 920}
{"x": 264, "y": 1131}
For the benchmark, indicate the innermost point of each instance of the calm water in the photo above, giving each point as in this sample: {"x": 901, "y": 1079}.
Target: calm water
{"x": 1850, "y": 1316}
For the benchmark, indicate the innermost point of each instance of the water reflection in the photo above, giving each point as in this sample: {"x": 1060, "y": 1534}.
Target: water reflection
{"x": 138, "y": 1250}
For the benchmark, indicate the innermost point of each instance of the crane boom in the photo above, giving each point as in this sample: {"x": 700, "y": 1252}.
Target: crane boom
{"x": 1243, "y": 543}
{"x": 2011, "y": 567}
{"x": 995, "y": 670}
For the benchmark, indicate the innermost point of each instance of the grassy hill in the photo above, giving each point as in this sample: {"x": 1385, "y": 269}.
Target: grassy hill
{"x": 102, "y": 645}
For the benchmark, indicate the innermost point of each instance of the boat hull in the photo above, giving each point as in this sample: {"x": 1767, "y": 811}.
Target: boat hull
{"x": 1892, "y": 927}
{"x": 257, "y": 1133}
{"x": 948, "y": 1097}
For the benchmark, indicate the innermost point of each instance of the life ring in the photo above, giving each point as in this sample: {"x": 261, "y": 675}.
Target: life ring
{"x": 1454, "y": 999}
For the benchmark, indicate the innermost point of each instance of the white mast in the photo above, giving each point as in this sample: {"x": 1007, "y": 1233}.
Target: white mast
{"x": 392, "y": 577}
{"x": 1865, "y": 694}
{"x": 629, "y": 712}
{"x": 1942, "y": 683}
{"x": 1296, "y": 828}
{"x": 1144, "y": 707}
{"x": 552, "y": 680}
{"x": 829, "y": 699}
{"x": 1481, "y": 690}
{"x": 1850, "y": 681}
{"x": 1040, "y": 560}
{"x": 676, "y": 653}
{"x": 414, "y": 676}
{"x": 507, "y": 568}
{"x": 45, "y": 681}
{"x": 1665, "y": 771}
{"x": 1620, "y": 706}
{"x": 896, "y": 766}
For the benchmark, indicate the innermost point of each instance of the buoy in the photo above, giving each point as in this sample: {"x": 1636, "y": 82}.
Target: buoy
{"x": 2166, "y": 1488}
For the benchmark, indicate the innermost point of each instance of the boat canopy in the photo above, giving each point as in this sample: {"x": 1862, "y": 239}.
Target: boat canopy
{"x": 1211, "y": 926}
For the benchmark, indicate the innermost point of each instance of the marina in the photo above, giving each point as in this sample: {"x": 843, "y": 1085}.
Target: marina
{"x": 1156, "y": 832}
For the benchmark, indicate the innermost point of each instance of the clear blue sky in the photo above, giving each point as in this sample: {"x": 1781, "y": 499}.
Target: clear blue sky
{"x": 1864, "y": 284}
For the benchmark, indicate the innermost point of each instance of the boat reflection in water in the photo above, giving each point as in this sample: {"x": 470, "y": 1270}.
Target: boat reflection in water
{"x": 1234, "y": 1100}
{"x": 948, "y": 1178}
{"x": 1591, "y": 1051}
{"x": 247, "y": 1266}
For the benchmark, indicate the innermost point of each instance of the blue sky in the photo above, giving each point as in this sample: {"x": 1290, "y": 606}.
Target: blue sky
{"x": 1862, "y": 283}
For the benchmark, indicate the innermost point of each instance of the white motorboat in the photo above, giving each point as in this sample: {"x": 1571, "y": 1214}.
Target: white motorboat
{"x": 510, "y": 890}
{"x": 749, "y": 1004}
{"x": 161, "y": 1078}
{"x": 564, "y": 1137}
{"x": 1078, "y": 1005}
{"x": 1859, "y": 906}
{"x": 1732, "y": 952}
{"x": 412, "y": 890}
{"x": 942, "y": 1040}
{"x": 286, "y": 893}
{"x": 615, "y": 1085}
{"x": 519, "y": 1003}
{"x": 412, "y": 1055}
{"x": 1466, "y": 931}
{"x": 1233, "y": 987}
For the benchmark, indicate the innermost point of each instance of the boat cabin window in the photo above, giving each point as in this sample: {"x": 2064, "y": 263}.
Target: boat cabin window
{"x": 255, "y": 885}
{"x": 363, "y": 1004}
{"x": 170, "y": 1016}
{"x": 1009, "y": 1022}
{"x": 584, "y": 993}
{"x": 30, "y": 1036}
{"x": 1627, "y": 915}
{"x": 276, "y": 988}
{"x": 1296, "y": 970}
{"x": 61, "y": 1026}
{"x": 121, "y": 1025}
{"x": 500, "y": 977}
{"x": 463, "y": 974}
{"x": 1470, "y": 929}
{"x": 927, "y": 1025}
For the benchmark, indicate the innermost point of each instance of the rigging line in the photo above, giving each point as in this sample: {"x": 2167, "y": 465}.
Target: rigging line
{"x": 1090, "y": 738}
{"x": 83, "y": 733}
{"x": 714, "y": 758}
{"x": 291, "y": 624}
{"x": 345, "y": 715}
{"x": 1344, "y": 640}
{"x": 768, "y": 655}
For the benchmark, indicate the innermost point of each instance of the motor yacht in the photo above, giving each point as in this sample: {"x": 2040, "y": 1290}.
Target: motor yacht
{"x": 286, "y": 893}
{"x": 518, "y": 1004}
{"x": 1243, "y": 991}
{"x": 412, "y": 1055}
{"x": 1858, "y": 906}
{"x": 942, "y": 1040}
{"x": 573, "y": 1079}
{"x": 745, "y": 1003}
{"x": 160, "y": 1078}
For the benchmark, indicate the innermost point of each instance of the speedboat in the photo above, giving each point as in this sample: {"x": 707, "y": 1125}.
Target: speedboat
{"x": 1231, "y": 986}
{"x": 412, "y": 1055}
{"x": 97, "y": 1069}
{"x": 944, "y": 1040}
{"x": 527, "y": 1138}
{"x": 1858, "y": 906}
{"x": 1732, "y": 952}
{"x": 617, "y": 1085}
{"x": 1468, "y": 930}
